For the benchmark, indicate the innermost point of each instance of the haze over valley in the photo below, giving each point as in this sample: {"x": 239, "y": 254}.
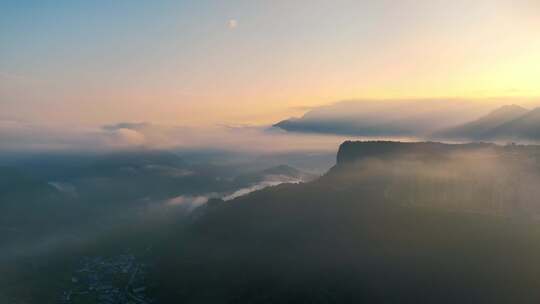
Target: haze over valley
{"x": 246, "y": 152}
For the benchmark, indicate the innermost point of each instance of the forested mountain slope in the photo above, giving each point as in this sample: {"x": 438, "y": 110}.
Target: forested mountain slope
{"x": 390, "y": 223}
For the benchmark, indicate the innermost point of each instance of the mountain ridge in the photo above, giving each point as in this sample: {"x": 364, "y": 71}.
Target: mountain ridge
{"x": 388, "y": 218}
{"x": 509, "y": 122}
{"x": 478, "y": 128}
{"x": 526, "y": 126}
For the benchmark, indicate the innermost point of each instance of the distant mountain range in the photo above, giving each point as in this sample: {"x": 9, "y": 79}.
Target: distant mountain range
{"x": 427, "y": 120}
{"x": 510, "y": 122}
{"x": 386, "y": 118}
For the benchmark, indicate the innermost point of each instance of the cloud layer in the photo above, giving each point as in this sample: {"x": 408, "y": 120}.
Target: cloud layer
{"x": 17, "y": 136}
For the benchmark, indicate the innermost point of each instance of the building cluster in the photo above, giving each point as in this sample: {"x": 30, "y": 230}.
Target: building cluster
{"x": 114, "y": 280}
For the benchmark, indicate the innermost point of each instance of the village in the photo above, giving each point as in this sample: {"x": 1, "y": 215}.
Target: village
{"x": 119, "y": 279}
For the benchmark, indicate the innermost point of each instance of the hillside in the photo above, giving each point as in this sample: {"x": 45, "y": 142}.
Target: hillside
{"x": 390, "y": 223}
{"x": 44, "y": 196}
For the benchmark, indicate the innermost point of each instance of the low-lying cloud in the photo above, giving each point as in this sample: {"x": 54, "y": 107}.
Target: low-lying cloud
{"x": 272, "y": 180}
{"x": 21, "y": 136}
{"x": 321, "y": 128}
{"x": 186, "y": 202}
{"x": 482, "y": 180}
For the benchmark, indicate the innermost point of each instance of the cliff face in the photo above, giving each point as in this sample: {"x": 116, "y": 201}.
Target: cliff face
{"x": 477, "y": 176}
{"x": 351, "y": 151}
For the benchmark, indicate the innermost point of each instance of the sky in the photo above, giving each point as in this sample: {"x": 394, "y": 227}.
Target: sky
{"x": 203, "y": 63}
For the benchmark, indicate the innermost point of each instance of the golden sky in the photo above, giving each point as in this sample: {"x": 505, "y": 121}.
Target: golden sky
{"x": 256, "y": 62}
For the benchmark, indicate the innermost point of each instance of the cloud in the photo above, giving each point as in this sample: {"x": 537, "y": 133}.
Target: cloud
{"x": 240, "y": 138}
{"x": 64, "y": 187}
{"x": 126, "y": 125}
{"x": 271, "y": 180}
{"x": 18, "y": 136}
{"x": 232, "y": 24}
{"x": 321, "y": 129}
{"x": 186, "y": 202}
{"x": 126, "y": 138}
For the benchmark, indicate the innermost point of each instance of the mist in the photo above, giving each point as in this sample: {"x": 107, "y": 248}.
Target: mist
{"x": 484, "y": 178}
{"x": 272, "y": 180}
{"x": 24, "y": 137}
{"x": 319, "y": 129}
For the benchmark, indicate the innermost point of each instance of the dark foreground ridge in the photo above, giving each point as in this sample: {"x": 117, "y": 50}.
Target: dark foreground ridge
{"x": 391, "y": 223}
